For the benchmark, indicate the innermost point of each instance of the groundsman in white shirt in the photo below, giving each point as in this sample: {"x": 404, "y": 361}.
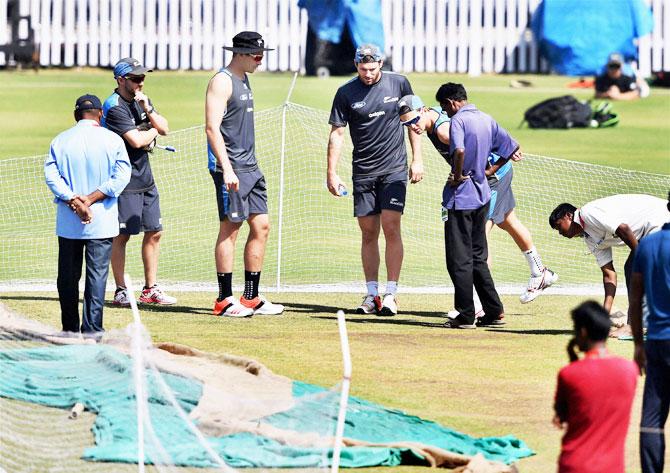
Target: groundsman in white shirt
{"x": 616, "y": 220}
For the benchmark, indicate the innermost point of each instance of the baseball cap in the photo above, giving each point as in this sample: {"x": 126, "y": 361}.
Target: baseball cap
{"x": 409, "y": 103}
{"x": 615, "y": 59}
{"x": 129, "y": 67}
{"x": 88, "y": 102}
{"x": 368, "y": 50}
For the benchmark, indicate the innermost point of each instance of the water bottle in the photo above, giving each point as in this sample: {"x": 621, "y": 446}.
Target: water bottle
{"x": 342, "y": 191}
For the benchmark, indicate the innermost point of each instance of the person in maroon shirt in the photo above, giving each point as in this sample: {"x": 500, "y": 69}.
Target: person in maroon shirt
{"x": 593, "y": 398}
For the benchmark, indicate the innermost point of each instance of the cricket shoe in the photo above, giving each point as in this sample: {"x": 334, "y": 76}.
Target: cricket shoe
{"x": 261, "y": 306}
{"x": 370, "y": 305}
{"x": 389, "y": 306}
{"x": 538, "y": 284}
{"x": 479, "y": 312}
{"x": 231, "y": 307}
{"x": 155, "y": 295}
{"x": 121, "y": 298}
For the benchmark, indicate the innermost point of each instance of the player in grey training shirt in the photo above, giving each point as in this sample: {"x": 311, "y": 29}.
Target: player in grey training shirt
{"x": 240, "y": 185}
{"x": 368, "y": 104}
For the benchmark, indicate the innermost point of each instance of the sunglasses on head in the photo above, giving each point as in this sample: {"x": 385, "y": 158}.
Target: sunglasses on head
{"x": 412, "y": 121}
{"x": 135, "y": 79}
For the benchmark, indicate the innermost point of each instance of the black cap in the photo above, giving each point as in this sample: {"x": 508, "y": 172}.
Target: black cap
{"x": 247, "y": 42}
{"x": 129, "y": 66}
{"x": 87, "y": 102}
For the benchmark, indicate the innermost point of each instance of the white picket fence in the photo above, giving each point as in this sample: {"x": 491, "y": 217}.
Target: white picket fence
{"x": 466, "y": 36}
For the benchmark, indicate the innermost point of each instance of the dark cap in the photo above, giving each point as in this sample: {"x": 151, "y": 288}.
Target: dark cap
{"x": 615, "y": 59}
{"x": 247, "y": 42}
{"x": 87, "y": 102}
{"x": 368, "y": 50}
{"x": 129, "y": 66}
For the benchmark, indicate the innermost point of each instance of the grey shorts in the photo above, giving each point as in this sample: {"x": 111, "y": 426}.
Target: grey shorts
{"x": 502, "y": 198}
{"x": 250, "y": 199}
{"x": 374, "y": 194}
{"x": 140, "y": 212}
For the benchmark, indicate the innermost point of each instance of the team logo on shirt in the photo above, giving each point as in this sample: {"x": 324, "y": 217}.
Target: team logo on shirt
{"x": 357, "y": 105}
{"x": 377, "y": 114}
{"x": 390, "y": 99}
{"x": 244, "y": 97}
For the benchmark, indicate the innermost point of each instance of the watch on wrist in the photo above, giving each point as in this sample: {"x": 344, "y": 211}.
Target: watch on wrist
{"x": 150, "y": 111}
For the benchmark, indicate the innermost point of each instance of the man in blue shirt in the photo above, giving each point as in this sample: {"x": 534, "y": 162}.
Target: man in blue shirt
{"x": 473, "y": 136}
{"x": 87, "y": 168}
{"x": 651, "y": 279}
{"x": 420, "y": 119}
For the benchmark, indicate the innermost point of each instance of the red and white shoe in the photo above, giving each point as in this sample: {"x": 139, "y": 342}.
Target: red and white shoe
{"x": 155, "y": 295}
{"x": 370, "y": 305}
{"x": 261, "y": 306}
{"x": 231, "y": 307}
{"x": 538, "y": 284}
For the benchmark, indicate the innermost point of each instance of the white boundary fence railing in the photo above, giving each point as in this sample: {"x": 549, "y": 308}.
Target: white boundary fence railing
{"x": 466, "y": 36}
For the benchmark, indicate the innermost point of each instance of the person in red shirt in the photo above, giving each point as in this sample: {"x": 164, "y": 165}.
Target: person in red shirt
{"x": 594, "y": 396}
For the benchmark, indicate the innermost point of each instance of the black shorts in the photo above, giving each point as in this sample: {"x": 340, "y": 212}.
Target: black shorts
{"x": 250, "y": 199}
{"x": 139, "y": 212}
{"x": 374, "y": 194}
{"x": 502, "y": 198}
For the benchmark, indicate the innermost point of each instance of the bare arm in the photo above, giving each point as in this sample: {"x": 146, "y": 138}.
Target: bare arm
{"x": 416, "y": 167}
{"x": 635, "y": 316}
{"x": 456, "y": 177}
{"x": 624, "y": 232}
{"x": 609, "y": 284}
{"x": 140, "y": 138}
{"x": 219, "y": 89}
{"x": 335, "y": 141}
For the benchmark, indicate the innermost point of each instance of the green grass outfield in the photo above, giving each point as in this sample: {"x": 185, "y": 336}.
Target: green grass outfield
{"x": 484, "y": 382}
{"x": 36, "y": 106}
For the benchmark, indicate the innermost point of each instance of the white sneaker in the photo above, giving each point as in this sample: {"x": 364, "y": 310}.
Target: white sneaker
{"x": 155, "y": 295}
{"x": 261, "y": 306}
{"x": 479, "y": 312}
{"x": 538, "y": 284}
{"x": 121, "y": 298}
{"x": 231, "y": 307}
{"x": 389, "y": 306}
{"x": 370, "y": 305}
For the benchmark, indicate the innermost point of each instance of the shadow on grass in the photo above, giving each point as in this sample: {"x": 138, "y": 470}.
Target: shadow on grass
{"x": 539, "y": 331}
{"x": 362, "y": 319}
{"x": 169, "y": 309}
{"x": 321, "y": 309}
{"x": 29, "y": 298}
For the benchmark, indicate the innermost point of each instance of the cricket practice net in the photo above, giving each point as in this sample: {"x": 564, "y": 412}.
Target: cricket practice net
{"x": 314, "y": 241}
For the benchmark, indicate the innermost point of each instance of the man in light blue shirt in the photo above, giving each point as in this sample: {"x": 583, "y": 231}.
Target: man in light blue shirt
{"x": 87, "y": 168}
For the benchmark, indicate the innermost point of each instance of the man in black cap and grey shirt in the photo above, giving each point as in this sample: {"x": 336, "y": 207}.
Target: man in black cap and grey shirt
{"x": 368, "y": 103}
{"x": 240, "y": 185}
{"x": 129, "y": 113}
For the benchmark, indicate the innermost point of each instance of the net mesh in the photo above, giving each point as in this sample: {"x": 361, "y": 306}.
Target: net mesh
{"x": 315, "y": 239}
{"x": 70, "y": 404}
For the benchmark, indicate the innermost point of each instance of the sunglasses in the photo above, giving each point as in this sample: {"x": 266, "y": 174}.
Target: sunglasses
{"x": 256, "y": 57}
{"x": 412, "y": 121}
{"x": 135, "y": 79}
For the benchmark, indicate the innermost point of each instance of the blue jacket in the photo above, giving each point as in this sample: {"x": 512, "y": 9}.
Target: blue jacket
{"x": 81, "y": 160}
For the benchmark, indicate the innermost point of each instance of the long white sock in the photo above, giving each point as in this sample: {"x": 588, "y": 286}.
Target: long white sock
{"x": 391, "y": 287}
{"x": 534, "y": 262}
{"x": 373, "y": 287}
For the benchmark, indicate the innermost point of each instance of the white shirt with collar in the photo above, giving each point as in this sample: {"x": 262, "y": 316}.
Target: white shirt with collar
{"x": 644, "y": 214}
